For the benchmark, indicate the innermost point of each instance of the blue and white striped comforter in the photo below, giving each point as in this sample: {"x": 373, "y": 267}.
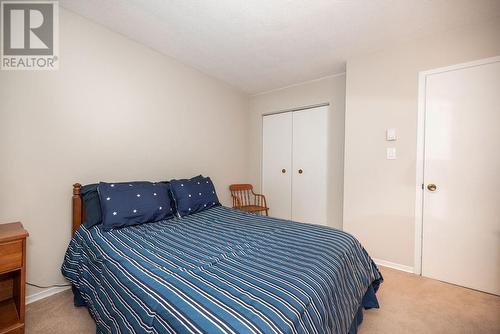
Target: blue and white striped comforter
{"x": 220, "y": 271}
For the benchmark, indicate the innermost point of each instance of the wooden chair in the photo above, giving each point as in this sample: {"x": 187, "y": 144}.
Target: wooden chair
{"x": 245, "y": 199}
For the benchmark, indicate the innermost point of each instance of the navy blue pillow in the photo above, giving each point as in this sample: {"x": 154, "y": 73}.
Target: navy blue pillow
{"x": 132, "y": 203}
{"x": 91, "y": 205}
{"x": 193, "y": 195}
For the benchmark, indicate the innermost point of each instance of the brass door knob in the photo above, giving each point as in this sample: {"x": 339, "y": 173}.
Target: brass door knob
{"x": 431, "y": 187}
{"x": 283, "y": 171}
{"x": 301, "y": 171}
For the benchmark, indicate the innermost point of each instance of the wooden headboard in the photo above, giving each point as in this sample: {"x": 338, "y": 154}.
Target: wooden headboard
{"x": 78, "y": 212}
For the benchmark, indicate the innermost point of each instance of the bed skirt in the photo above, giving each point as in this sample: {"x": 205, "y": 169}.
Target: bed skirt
{"x": 369, "y": 301}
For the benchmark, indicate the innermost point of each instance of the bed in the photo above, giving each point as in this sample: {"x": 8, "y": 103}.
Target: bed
{"x": 220, "y": 271}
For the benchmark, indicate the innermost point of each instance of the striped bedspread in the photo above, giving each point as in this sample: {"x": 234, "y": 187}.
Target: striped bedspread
{"x": 220, "y": 271}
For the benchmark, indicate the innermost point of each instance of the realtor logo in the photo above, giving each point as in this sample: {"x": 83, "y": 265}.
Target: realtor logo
{"x": 29, "y": 35}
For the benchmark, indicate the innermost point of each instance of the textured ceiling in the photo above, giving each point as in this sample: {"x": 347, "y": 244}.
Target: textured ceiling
{"x": 259, "y": 45}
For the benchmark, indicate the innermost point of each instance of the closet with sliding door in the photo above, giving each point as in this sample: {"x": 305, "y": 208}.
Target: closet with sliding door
{"x": 294, "y": 164}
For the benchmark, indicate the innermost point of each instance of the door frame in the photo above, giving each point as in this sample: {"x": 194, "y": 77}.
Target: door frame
{"x": 420, "y": 162}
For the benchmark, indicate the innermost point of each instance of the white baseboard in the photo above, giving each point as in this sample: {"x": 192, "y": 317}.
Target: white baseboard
{"x": 45, "y": 293}
{"x": 393, "y": 265}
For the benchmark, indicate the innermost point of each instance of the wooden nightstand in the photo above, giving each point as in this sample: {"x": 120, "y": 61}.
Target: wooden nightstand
{"x": 12, "y": 277}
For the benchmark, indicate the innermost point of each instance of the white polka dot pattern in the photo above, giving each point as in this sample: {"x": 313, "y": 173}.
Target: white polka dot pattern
{"x": 131, "y": 203}
{"x": 186, "y": 203}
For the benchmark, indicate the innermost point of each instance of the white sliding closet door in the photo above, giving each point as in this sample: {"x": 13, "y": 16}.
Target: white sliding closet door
{"x": 277, "y": 164}
{"x": 309, "y": 163}
{"x": 294, "y": 164}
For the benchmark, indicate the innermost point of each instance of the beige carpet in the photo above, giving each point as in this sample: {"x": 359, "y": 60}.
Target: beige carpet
{"x": 409, "y": 304}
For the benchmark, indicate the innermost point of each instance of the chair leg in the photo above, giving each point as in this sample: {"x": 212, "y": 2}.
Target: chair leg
{"x": 267, "y": 214}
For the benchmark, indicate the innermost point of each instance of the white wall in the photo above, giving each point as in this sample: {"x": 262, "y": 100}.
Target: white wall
{"x": 382, "y": 92}
{"x": 115, "y": 110}
{"x": 330, "y": 89}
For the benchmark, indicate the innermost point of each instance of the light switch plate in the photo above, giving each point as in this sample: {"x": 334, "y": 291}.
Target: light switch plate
{"x": 391, "y": 153}
{"x": 390, "y": 134}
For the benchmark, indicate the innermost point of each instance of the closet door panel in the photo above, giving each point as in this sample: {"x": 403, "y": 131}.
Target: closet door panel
{"x": 277, "y": 164}
{"x": 309, "y": 163}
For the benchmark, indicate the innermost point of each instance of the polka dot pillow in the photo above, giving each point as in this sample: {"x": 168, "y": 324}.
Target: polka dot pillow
{"x": 193, "y": 195}
{"x": 132, "y": 203}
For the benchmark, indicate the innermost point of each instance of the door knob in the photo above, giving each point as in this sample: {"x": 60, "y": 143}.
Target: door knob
{"x": 283, "y": 171}
{"x": 431, "y": 187}
{"x": 300, "y": 171}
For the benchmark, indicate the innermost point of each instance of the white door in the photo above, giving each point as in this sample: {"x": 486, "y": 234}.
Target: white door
{"x": 309, "y": 158}
{"x": 461, "y": 217}
{"x": 277, "y": 164}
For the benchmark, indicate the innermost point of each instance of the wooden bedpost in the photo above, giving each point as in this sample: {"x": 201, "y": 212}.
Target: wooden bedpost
{"x": 77, "y": 207}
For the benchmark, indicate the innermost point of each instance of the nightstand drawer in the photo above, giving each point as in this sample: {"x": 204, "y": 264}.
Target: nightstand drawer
{"x": 11, "y": 256}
